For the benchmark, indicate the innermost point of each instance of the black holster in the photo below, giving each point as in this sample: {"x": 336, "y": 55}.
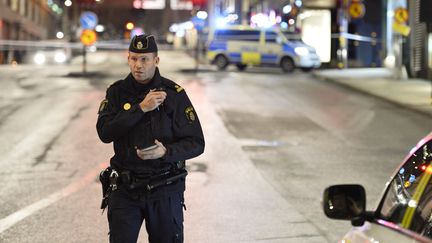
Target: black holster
{"x": 111, "y": 179}
{"x": 104, "y": 178}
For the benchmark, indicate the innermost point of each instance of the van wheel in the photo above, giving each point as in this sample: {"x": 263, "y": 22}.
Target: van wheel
{"x": 241, "y": 67}
{"x": 221, "y": 62}
{"x": 287, "y": 64}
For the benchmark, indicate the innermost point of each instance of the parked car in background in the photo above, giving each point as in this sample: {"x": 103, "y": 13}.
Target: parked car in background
{"x": 404, "y": 213}
{"x": 48, "y": 56}
{"x": 244, "y": 45}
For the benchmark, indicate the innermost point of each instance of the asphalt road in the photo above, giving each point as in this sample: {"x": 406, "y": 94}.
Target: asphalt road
{"x": 274, "y": 142}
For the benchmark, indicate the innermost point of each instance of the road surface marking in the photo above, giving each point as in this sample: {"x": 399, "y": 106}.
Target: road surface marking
{"x": 21, "y": 214}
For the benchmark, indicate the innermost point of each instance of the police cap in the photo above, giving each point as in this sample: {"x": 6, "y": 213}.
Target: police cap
{"x": 143, "y": 44}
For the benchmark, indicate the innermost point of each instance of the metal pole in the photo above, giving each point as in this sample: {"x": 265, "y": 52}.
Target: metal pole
{"x": 84, "y": 64}
{"x": 429, "y": 55}
{"x": 197, "y": 51}
{"x": 345, "y": 27}
{"x": 343, "y": 41}
{"x": 397, "y": 42}
{"x": 244, "y": 12}
{"x": 389, "y": 31}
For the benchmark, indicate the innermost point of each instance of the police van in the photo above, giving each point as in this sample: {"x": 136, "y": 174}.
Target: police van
{"x": 244, "y": 45}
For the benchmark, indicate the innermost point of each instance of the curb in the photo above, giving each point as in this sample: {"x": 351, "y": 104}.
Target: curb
{"x": 365, "y": 92}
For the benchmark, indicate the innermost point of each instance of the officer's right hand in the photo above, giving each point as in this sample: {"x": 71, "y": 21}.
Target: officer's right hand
{"x": 152, "y": 100}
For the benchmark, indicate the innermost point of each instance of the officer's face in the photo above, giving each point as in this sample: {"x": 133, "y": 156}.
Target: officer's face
{"x": 143, "y": 65}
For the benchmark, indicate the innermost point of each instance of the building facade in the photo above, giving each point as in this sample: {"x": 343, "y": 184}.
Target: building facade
{"x": 24, "y": 20}
{"x": 419, "y": 43}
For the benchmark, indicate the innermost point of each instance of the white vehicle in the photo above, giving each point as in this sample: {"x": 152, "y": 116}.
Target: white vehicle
{"x": 243, "y": 45}
{"x": 404, "y": 213}
{"x": 56, "y": 56}
{"x": 41, "y": 52}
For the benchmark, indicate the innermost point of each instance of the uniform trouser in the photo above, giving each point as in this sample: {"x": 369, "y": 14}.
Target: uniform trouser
{"x": 163, "y": 218}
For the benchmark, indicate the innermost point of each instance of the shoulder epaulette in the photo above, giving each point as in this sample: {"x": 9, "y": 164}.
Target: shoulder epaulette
{"x": 178, "y": 88}
{"x": 172, "y": 85}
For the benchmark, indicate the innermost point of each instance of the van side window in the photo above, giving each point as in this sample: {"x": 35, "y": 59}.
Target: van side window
{"x": 408, "y": 201}
{"x": 241, "y": 35}
{"x": 271, "y": 36}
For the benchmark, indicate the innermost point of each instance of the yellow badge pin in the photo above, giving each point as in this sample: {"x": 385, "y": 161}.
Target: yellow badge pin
{"x": 126, "y": 106}
{"x": 103, "y": 105}
{"x": 190, "y": 114}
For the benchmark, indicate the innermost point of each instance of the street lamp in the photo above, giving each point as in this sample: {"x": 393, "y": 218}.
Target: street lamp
{"x": 202, "y": 14}
{"x": 60, "y": 35}
{"x": 129, "y": 25}
{"x": 100, "y": 28}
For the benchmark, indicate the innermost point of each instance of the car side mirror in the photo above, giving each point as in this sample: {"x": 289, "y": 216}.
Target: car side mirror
{"x": 347, "y": 202}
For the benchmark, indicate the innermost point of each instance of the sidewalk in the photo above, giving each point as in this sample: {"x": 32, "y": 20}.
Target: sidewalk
{"x": 410, "y": 93}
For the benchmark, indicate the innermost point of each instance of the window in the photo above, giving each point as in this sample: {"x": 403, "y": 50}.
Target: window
{"x": 291, "y": 36}
{"x": 14, "y": 5}
{"x": 22, "y": 7}
{"x": 241, "y": 35}
{"x": 408, "y": 201}
{"x": 271, "y": 36}
{"x": 35, "y": 13}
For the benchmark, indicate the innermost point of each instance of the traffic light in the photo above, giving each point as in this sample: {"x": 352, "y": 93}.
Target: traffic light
{"x": 129, "y": 27}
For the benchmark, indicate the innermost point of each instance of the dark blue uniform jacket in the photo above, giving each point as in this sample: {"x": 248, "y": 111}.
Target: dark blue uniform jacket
{"x": 175, "y": 124}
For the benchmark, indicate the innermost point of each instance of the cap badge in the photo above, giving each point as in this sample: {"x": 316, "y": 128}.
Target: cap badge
{"x": 139, "y": 45}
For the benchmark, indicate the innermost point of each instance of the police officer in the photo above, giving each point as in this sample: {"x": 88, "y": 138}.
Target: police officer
{"x": 154, "y": 128}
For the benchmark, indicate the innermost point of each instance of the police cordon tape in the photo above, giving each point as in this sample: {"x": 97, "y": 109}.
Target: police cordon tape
{"x": 17, "y": 44}
{"x": 355, "y": 37}
{"x": 105, "y": 45}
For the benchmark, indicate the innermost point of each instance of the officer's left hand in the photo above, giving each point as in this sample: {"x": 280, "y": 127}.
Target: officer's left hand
{"x": 155, "y": 153}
